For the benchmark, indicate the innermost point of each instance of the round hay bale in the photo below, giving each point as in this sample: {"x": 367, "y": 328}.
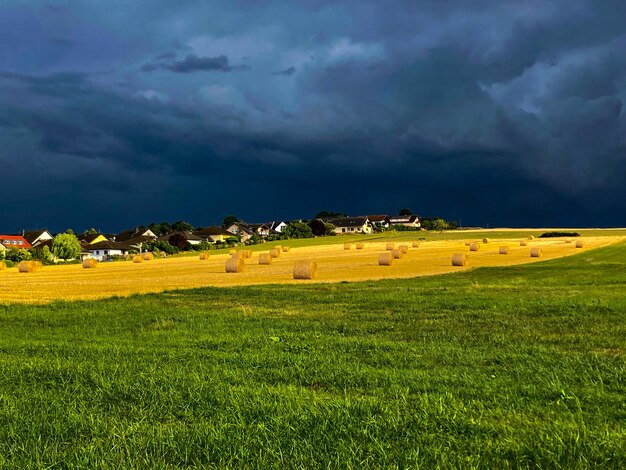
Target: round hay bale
{"x": 531, "y": 237}
{"x": 536, "y": 252}
{"x": 568, "y": 241}
{"x": 390, "y": 246}
{"x": 485, "y": 240}
{"x": 3, "y": 265}
{"x": 274, "y": 253}
{"x": 347, "y": 246}
{"x": 385, "y": 259}
{"x": 245, "y": 254}
{"x": 504, "y": 250}
{"x": 523, "y": 243}
{"x": 459, "y": 259}
{"x": 415, "y": 244}
{"x": 235, "y": 265}
{"x": 305, "y": 270}
{"x": 279, "y": 247}
{"x": 137, "y": 259}
{"x": 404, "y": 249}
{"x": 29, "y": 266}
{"x": 580, "y": 243}
{"x": 148, "y": 256}
{"x": 360, "y": 246}
{"x": 204, "y": 256}
{"x": 89, "y": 263}
{"x": 475, "y": 246}
{"x": 286, "y": 249}
{"x": 397, "y": 253}
{"x": 265, "y": 258}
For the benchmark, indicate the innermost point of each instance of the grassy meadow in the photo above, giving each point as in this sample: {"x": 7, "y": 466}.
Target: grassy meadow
{"x": 498, "y": 367}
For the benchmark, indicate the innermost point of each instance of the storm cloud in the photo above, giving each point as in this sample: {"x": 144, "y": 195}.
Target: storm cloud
{"x": 490, "y": 112}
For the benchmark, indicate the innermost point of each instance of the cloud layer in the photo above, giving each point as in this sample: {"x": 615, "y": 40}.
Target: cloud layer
{"x": 491, "y": 112}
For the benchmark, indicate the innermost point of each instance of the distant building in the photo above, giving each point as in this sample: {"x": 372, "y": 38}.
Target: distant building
{"x": 413, "y": 221}
{"x": 379, "y": 221}
{"x": 351, "y": 225}
{"x": 15, "y": 242}
{"x": 105, "y": 250}
{"x": 37, "y": 237}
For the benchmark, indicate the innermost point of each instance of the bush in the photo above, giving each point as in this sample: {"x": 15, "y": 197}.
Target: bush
{"x": 9, "y": 263}
{"x": 18, "y": 256}
{"x": 66, "y": 246}
{"x": 559, "y": 234}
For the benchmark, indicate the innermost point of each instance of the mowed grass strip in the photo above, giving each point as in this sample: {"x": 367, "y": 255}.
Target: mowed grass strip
{"x": 511, "y": 367}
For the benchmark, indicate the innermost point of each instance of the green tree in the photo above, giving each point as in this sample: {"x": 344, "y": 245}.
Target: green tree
{"x": 406, "y": 212}
{"x": 329, "y": 215}
{"x": 440, "y": 225}
{"x": 229, "y": 220}
{"x": 298, "y": 230}
{"x": 182, "y": 226}
{"x": 70, "y": 231}
{"x": 66, "y": 246}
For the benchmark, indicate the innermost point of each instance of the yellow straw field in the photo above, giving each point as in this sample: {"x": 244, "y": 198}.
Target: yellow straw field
{"x": 334, "y": 264}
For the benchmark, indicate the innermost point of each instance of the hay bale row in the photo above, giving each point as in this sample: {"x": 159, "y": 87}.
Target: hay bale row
{"x": 486, "y": 240}
{"x": 530, "y": 237}
{"x": 275, "y": 253}
{"x": 390, "y": 246}
{"x": 475, "y": 246}
{"x": 29, "y": 266}
{"x": 580, "y": 244}
{"x": 286, "y": 249}
{"x": 397, "y": 253}
{"x": 415, "y": 244}
{"x": 536, "y": 252}
{"x": 244, "y": 254}
{"x": 347, "y": 246}
{"x": 90, "y": 263}
{"x": 504, "y": 250}
{"x": 385, "y": 259}
{"x": 265, "y": 258}
{"x": 360, "y": 246}
{"x": 305, "y": 270}
{"x": 523, "y": 243}
{"x": 204, "y": 256}
{"x": 148, "y": 256}
{"x": 137, "y": 259}
{"x": 235, "y": 265}
{"x": 404, "y": 249}
{"x": 459, "y": 259}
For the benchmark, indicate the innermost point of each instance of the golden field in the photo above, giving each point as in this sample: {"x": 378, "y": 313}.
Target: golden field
{"x": 335, "y": 264}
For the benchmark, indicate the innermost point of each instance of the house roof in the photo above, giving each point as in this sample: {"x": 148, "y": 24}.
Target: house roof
{"x": 187, "y": 235}
{"x": 109, "y": 245}
{"x": 89, "y": 237}
{"x": 133, "y": 233}
{"x": 275, "y": 223}
{"x": 33, "y": 235}
{"x": 210, "y": 231}
{"x": 403, "y": 219}
{"x": 377, "y": 218}
{"x": 348, "y": 221}
{"x": 137, "y": 240}
{"x": 15, "y": 241}
{"x": 243, "y": 227}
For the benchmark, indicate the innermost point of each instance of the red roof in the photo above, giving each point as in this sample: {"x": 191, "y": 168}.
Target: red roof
{"x": 14, "y": 241}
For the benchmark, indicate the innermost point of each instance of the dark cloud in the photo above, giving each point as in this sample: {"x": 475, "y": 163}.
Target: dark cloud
{"x": 289, "y": 71}
{"x": 491, "y": 112}
{"x": 193, "y": 63}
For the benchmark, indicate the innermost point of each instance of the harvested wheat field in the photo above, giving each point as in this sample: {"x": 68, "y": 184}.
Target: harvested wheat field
{"x": 334, "y": 264}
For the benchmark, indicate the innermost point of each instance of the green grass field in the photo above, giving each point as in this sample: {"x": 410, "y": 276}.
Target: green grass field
{"x": 515, "y": 367}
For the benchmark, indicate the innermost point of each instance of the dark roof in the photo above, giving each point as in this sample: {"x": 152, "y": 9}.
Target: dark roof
{"x": 89, "y": 237}
{"x": 109, "y": 245}
{"x": 187, "y": 235}
{"x": 348, "y": 221}
{"x": 377, "y": 218}
{"x": 403, "y": 219}
{"x": 258, "y": 226}
{"x": 137, "y": 240}
{"x": 32, "y": 235}
{"x": 212, "y": 231}
{"x": 129, "y": 234}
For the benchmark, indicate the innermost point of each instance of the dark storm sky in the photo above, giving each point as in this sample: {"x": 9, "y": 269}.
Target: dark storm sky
{"x": 120, "y": 113}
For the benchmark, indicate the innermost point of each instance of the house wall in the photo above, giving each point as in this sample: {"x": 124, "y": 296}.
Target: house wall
{"x": 101, "y": 256}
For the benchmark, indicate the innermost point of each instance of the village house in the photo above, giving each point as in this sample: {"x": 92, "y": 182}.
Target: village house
{"x": 15, "y": 242}
{"x": 37, "y": 237}
{"x": 262, "y": 230}
{"x": 191, "y": 237}
{"x": 276, "y": 225}
{"x": 87, "y": 239}
{"x": 379, "y": 221}
{"x": 105, "y": 250}
{"x": 412, "y": 221}
{"x": 351, "y": 225}
{"x": 135, "y": 234}
{"x": 213, "y": 234}
{"x": 241, "y": 230}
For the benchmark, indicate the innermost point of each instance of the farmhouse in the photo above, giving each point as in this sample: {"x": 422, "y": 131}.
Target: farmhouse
{"x": 16, "y": 242}
{"x": 379, "y": 221}
{"x": 241, "y": 230}
{"x": 276, "y": 225}
{"x": 412, "y": 221}
{"x": 135, "y": 234}
{"x": 263, "y": 230}
{"x": 37, "y": 237}
{"x": 213, "y": 234}
{"x": 347, "y": 225}
{"x": 87, "y": 239}
{"x": 105, "y": 250}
